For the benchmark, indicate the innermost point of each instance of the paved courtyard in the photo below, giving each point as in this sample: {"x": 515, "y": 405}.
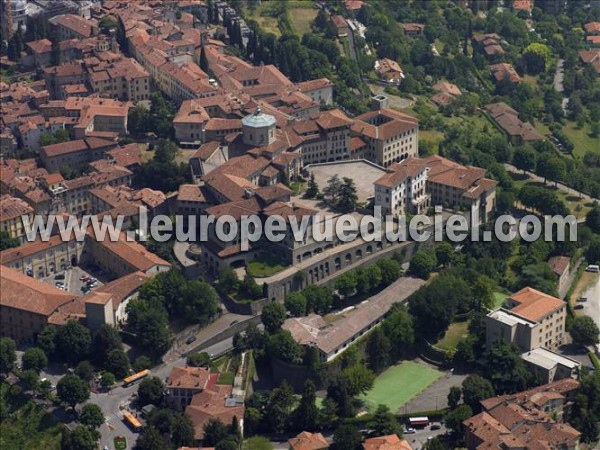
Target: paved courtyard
{"x": 361, "y": 172}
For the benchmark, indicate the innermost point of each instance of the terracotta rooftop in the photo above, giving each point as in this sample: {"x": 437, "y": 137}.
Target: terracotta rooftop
{"x": 534, "y": 305}
{"x": 11, "y": 208}
{"x": 389, "y": 442}
{"x": 308, "y": 441}
{"x": 29, "y": 294}
{"x": 195, "y": 378}
{"x": 123, "y": 287}
{"x": 399, "y": 172}
{"x": 191, "y": 193}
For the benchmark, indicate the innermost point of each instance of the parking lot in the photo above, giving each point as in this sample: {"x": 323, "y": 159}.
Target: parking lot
{"x": 74, "y": 279}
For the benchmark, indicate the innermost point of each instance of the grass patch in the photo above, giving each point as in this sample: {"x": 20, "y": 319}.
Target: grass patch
{"x": 454, "y": 334}
{"x": 302, "y": 18}
{"x": 581, "y": 139}
{"x": 226, "y": 378}
{"x": 264, "y": 267}
{"x": 399, "y": 384}
{"x": 499, "y": 299}
{"x": 120, "y": 442}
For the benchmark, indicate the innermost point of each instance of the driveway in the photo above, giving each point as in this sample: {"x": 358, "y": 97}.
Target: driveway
{"x": 592, "y": 306}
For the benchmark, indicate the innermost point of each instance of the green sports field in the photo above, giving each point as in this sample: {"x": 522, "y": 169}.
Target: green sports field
{"x": 399, "y": 384}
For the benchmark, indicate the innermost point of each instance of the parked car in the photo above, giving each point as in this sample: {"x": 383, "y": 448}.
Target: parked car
{"x": 233, "y": 322}
{"x": 84, "y": 278}
{"x": 578, "y": 307}
{"x": 59, "y": 284}
{"x": 435, "y": 426}
{"x": 410, "y": 430}
{"x": 60, "y": 276}
{"x": 190, "y": 340}
{"x": 582, "y": 299}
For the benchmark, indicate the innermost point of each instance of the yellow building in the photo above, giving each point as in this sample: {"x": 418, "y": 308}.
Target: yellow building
{"x": 12, "y": 211}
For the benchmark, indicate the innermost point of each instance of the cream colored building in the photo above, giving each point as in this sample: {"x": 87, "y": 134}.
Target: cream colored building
{"x": 530, "y": 320}
{"x": 12, "y": 211}
{"x": 390, "y": 136}
{"x": 403, "y": 189}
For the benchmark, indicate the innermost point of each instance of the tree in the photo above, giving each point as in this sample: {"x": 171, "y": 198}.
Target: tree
{"x": 535, "y": 56}
{"x": 312, "y": 189}
{"x": 359, "y": 379}
{"x": 295, "y": 303}
{"x": 106, "y": 339}
{"x": 46, "y": 340}
{"x": 390, "y": 270}
{"x": 551, "y": 167}
{"x": 347, "y": 196}
{"x": 333, "y": 188}
{"x": 346, "y": 284}
{"x": 141, "y": 363}
{"x": 273, "y": 316}
{"x": 584, "y": 331}
{"x": 282, "y": 345}
{"x": 384, "y": 422}
{"x": 455, "y": 418}
{"x": 378, "y": 350}
{"x": 85, "y": 371}
{"x": 474, "y": 389}
{"x": 81, "y": 438}
{"x": 138, "y": 119}
{"x": 30, "y": 379}
{"x": 72, "y": 341}
{"x": 107, "y": 380}
{"x": 8, "y": 354}
{"x": 525, "y": 159}
{"x": 117, "y": 363}
{"x": 151, "y": 391}
{"x": 505, "y": 368}
{"x": 592, "y": 219}
{"x": 454, "y": 397}
{"x": 398, "y": 327}
{"x": 443, "y": 253}
{"x": 200, "y": 359}
{"x": 6, "y": 241}
{"x": 150, "y": 439}
{"x": 306, "y": 415}
{"x": 423, "y": 263}
{"x": 347, "y": 437}
{"x": 182, "y": 431}
{"x": 72, "y": 390}
{"x": 214, "y": 431}
{"x": 318, "y": 299}
{"x": 91, "y": 416}
{"x": 229, "y": 443}
{"x": 34, "y": 358}
{"x": 227, "y": 280}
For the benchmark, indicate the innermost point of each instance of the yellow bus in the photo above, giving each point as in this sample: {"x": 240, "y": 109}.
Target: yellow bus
{"x": 132, "y": 421}
{"x": 135, "y": 377}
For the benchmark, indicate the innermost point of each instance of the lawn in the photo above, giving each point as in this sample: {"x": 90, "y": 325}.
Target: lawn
{"x": 399, "y": 384}
{"x": 120, "y": 443}
{"x": 499, "y": 299}
{"x": 226, "y": 378}
{"x": 454, "y": 334}
{"x": 264, "y": 266}
{"x": 301, "y": 18}
{"x": 433, "y": 136}
{"x": 581, "y": 139}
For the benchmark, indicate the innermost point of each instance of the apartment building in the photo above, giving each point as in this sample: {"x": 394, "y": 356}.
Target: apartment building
{"x": 390, "y": 136}
{"x": 530, "y": 419}
{"x": 71, "y": 26}
{"x": 403, "y": 189}
{"x": 123, "y": 78}
{"x": 75, "y": 154}
{"x": 324, "y": 139}
{"x": 320, "y": 90}
{"x": 184, "y": 382}
{"x": 12, "y": 211}
{"x": 531, "y": 319}
{"x": 27, "y": 305}
{"x": 461, "y": 187}
{"x": 189, "y": 123}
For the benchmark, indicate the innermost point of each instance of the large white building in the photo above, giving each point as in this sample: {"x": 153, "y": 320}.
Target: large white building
{"x": 403, "y": 189}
